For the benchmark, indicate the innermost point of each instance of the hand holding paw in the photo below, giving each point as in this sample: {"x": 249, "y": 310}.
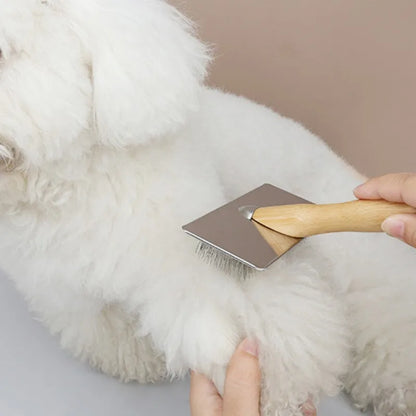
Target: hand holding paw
{"x": 242, "y": 388}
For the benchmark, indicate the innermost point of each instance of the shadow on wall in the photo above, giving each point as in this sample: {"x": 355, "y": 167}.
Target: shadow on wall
{"x": 344, "y": 69}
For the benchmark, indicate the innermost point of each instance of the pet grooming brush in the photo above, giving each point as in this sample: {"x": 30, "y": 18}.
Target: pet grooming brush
{"x": 253, "y": 231}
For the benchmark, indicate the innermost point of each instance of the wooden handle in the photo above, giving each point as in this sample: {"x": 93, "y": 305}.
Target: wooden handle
{"x": 303, "y": 220}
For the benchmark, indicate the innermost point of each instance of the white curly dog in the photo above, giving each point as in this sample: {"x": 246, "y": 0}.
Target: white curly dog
{"x": 109, "y": 143}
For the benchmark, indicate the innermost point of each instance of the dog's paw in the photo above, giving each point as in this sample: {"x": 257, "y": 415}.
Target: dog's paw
{"x": 134, "y": 361}
{"x": 396, "y": 402}
{"x": 109, "y": 342}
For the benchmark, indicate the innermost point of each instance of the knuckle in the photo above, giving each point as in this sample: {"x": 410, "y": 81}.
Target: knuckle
{"x": 242, "y": 384}
{"x": 242, "y": 376}
{"x": 245, "y": 383}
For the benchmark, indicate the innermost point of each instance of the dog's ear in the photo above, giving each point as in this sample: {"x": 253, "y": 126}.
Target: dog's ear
{"x": 44, "y": 88}
{"x": 146, "y": 67}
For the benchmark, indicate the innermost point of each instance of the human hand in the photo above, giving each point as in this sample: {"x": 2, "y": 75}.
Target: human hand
{"x": 395, "y": 187}
{"x": 242, "y": 388}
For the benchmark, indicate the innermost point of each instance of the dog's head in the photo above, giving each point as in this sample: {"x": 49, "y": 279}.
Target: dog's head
{"x": 80, "y": 73}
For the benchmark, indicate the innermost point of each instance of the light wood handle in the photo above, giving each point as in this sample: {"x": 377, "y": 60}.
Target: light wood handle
{"x": 303, "y": 220}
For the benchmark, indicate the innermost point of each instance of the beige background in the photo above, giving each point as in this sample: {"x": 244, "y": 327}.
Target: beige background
{"x": 345, "y": 68}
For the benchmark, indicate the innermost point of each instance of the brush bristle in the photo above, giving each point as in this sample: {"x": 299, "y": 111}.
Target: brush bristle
{"x": 224, "y": 261}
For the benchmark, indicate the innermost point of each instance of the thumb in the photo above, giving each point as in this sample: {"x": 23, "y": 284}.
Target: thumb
{"x": 242, "y": 382}
{"x": 401, "y": 226}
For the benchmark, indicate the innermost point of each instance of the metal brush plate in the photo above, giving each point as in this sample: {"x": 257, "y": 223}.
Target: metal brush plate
{"x": 228, "y": 230}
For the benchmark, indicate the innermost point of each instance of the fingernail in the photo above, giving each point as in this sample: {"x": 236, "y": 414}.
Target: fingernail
{"x": 393, "y": 227}
{"x": 250, "y": 346}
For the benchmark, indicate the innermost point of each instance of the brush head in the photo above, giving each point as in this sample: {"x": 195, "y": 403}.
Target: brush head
{"x": 223, "y": 261}
{"x": 230, "y": 239}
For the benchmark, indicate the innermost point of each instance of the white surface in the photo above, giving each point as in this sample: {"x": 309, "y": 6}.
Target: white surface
{"x": 39, "y": 379}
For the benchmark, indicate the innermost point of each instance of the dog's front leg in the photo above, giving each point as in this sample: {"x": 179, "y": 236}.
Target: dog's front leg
{"x": 192, "y": 316}
{"x": 302, "y": 333}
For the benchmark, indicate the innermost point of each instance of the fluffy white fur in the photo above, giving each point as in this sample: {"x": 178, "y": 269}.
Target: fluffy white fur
{"x": 109, "y": 142}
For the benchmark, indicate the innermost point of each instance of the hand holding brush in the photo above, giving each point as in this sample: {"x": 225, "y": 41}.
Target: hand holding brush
{"x": 394, "y": 187}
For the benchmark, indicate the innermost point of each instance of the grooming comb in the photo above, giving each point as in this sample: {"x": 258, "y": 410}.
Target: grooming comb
{"x": 253, "y": 231}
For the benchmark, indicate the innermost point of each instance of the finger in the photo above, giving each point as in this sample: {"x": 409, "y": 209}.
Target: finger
{"x": 395, "y": 187}
{"x": 402, "y": 227}
{"x": 204, "y": 399}
{"x": 242, "y": 382}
